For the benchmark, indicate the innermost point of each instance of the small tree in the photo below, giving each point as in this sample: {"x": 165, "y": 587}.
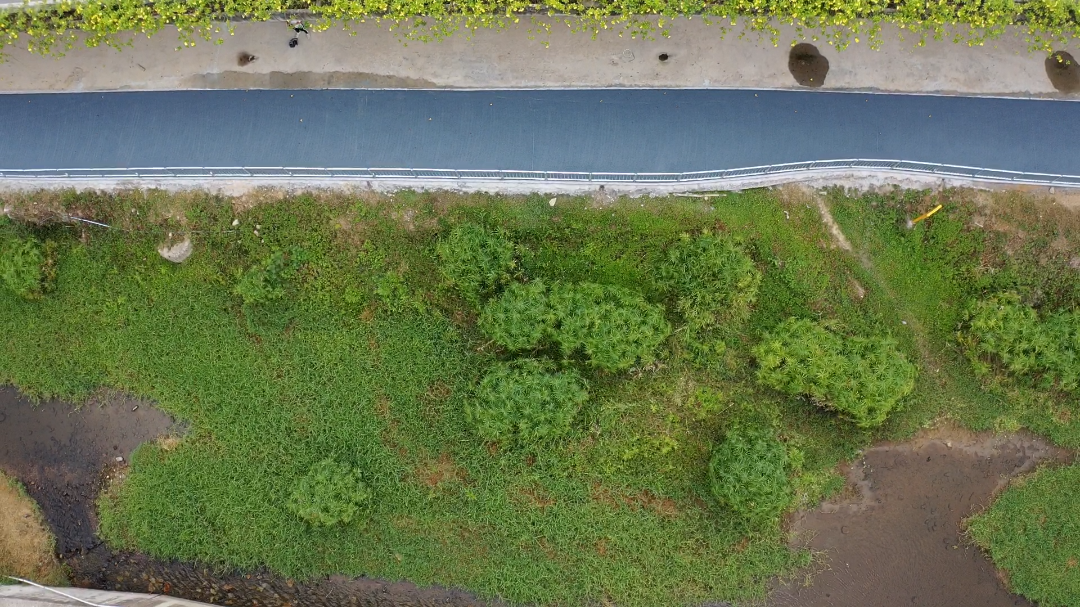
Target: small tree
{"x": 27, "y": 267}
{"x": 525, "y": 403}
{"x": 1002, "y": 328}
{"x": 331, "y": 493}
{"x": 861, "y": 378}
{"x": 521, "y": 318}
{"x": 476, "y": 260}
{"x": 266, "y": 280}
{"x": 613, "y": 327}
{"x": 711, "y": 277}
{"x": 748, "y": 473}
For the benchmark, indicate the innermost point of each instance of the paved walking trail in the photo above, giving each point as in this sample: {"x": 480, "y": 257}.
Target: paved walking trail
{"x": 596, "y": 130}
{"x": 698, "y": 57}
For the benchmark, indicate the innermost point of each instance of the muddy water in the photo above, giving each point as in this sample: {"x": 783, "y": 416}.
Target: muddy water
{"x": 60, "y": 454}
{"x": 63, "y": 456}
{"x": 895, "y": 538}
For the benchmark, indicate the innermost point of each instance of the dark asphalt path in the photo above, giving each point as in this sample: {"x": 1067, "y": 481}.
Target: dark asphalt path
{"x": 578, "y": 130}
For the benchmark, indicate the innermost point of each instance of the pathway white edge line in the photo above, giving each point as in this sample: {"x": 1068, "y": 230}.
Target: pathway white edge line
{"x": 694, "y": 179}
{"x": 861, "y": 179}
{"x": 55, "y": 591}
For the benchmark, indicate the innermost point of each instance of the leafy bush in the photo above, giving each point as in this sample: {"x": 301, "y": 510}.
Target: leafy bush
{"x": 51, "y": 28}
{"x": 613, "y": 327}
{"x": 521, "y": 318}
{"x": 332, "y": 493}
{"x": 27, "y": 267}
{"x": 861, "y": 378}
{"x": 475, "y": 260}
{"x": 748, "y": 473}
{"x": 1001, "y": 328}
{"x": 524, "y": 403}
{"x": 710, "y": 276}
{"x": 1032, "y": 531}
{"x": 265, "y": 281}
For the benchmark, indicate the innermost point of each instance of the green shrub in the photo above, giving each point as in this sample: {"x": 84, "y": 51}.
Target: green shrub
{"x": 521, "y": 318}
{"x": 27, "y": 267}
{"x": 711, "y": 277}
{"x": 476, "y": 260}
{"x": 614, "y": 328}
{"x": 1032, "y": 531}
{"x": 265, "y": 281}
{"x": 748, "y": 473}
{"x": 332, "y": 493}
{"x": 861, "y": 378}
{"x": 52, "y": 28}
{"x": 524, "y": 403}
{"x": 1001, "y": 328}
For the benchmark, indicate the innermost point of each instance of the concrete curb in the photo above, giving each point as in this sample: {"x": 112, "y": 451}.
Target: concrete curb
{"x": 29, "y": 596}
{"x": 861, "y": 179}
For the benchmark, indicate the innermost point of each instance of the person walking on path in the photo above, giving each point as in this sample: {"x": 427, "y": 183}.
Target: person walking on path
{"x": 297, "y": 26}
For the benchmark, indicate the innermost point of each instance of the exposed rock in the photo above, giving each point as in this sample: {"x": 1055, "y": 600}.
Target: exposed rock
{"x": 177, "y": 252}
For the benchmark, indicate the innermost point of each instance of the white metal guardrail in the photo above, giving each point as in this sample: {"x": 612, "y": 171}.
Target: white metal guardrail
{"x": 308, "y": 173}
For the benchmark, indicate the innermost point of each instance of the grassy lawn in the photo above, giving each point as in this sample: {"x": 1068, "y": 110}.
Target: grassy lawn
{"x": 1033, "y": 532}
{"x": 369, "y": 357}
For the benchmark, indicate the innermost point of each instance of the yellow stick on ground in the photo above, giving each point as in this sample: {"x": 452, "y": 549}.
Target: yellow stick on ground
{"x": 926, "y": 214}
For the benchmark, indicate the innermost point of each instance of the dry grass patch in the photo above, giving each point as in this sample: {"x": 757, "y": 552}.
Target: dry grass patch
{"x": 26, "y": 544}
{"x": 436, "y": 473}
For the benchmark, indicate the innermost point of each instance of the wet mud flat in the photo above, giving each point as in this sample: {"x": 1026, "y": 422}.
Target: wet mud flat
{"x": 64, "y": 455}
{"x": 894, "y": 537}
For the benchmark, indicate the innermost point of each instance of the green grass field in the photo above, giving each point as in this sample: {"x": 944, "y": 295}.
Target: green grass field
{"x": 1033, "y": 532}
{"x": 369, "y": 357}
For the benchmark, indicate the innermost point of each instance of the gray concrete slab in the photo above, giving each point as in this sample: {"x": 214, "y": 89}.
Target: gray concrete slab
{"x": 30, "y": 596}
{"x": 598, "y": 130}
{"x": 524, "y": 56}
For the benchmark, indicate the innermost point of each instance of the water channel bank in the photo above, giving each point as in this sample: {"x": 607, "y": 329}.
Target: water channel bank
{"x": 64, "y": 456}
{"x": 895, "y": 533}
